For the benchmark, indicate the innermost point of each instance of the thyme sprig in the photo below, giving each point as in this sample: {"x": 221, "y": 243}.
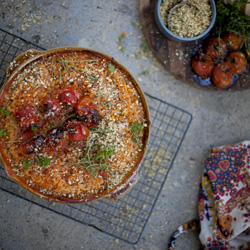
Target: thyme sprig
{"x": 69, "y": 65}
{"x": 96, "y": 158}
{"x": 137, "y": 132}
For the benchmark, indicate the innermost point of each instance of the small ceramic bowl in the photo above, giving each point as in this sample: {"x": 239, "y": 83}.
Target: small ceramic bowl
{"x": 174, "y": 37}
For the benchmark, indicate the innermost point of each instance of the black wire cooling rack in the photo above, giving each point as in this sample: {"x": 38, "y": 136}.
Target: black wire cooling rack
{"x": 125, "y": 218}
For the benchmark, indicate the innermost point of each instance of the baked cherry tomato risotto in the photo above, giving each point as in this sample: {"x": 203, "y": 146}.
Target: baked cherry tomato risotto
{"x": 72, "y": 125}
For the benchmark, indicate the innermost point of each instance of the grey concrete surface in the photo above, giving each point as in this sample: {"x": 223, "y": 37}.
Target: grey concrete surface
{"x": 218, "y": 119}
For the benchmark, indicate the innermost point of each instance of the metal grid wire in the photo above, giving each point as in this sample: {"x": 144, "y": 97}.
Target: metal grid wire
{"x": 125, "y": 218}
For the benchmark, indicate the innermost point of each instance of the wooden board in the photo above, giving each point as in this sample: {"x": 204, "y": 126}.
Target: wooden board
{"x": 176, "y": 56}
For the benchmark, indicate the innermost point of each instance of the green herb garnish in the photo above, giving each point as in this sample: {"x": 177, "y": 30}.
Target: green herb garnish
{"x": 4, "y": 132}
{"x": 60, "y": 76}
{"x": 26, "y": 164}
{"x": 145, "y": 72}
{"x": 96, "y": 159}
{"x": 144, "y": 47}
{"x": 93, "y": 79}
{"x": 133, "y": 23}
{"x": 64, "y": 134}
{"x": 90, "y": 60}
{"x": 108, "y": 104}
{"x": 104, "y": 154}
{"x": 34, "y": 128}
{"x": 231, "y": 18}
{"x": 121, "y": 43}
{"x": 4, "y": 111}
{"x": 101, "y": 131}
{"x": 111, "y": 68}
{"x": 44, "y": 162}
{"x": 137, "y": 132}
{"x": 64, "y": 64}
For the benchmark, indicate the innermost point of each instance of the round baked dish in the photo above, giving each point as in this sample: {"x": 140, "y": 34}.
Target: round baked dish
{"x": 74, "y": 125}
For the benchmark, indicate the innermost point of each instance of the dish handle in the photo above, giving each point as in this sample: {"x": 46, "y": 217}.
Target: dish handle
{"x": 118, "y": 193}
{"x": 20, "y": 59}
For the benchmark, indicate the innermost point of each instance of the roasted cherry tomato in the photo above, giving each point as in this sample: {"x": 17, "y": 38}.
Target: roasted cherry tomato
{"x": 58, "y": 138}
{"x": 51, "y": 106}
{"x": 25, "y": 144}
{"x": 214, "y": 47}
{"x": 87, "y": 112}
{"x": 70, "y": 95}
{"x": 30, "y": 141}
{"x": 77, "y": 131}
{"x": 91, "y": 118}
{"x": 85, "y": 103}
{"x": 202, "y": 65}
{"x": 27, "y": 115}
{"x": 232, "y": 40}
{"x": 222, "y": 74}
{"x": 238, "y": 59}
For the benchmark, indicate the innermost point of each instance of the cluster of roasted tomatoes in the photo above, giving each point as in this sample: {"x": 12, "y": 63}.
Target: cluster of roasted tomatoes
{"x": 74, "y": 126}
{"x": 220, "y": 59}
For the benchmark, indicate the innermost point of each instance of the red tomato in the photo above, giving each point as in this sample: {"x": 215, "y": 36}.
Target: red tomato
{"x": 87, "y": 112}
{"x": 77, "y": 131}
{"x": 202, "y": 65}
{"x": 70, "y": 95}
{"x": 30, "y": 141}
{"x": 27, "y": 115}
{"x": 85, "y": 103}
{"x": 91, "y": 118}
{"x": 238, "y": 59}
{"x": 51, "y": 104}
{"x": 58, "y": 138}
{"x": 214, "y": 47}
{"x": 232, "y": 40}
{"x": 222, "y": 74}
{"x": 83, "y": 106}
{"x": 27, "y": 147}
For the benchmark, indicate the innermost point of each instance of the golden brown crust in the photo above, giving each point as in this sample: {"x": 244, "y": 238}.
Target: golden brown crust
{"x": 81, "y": 169}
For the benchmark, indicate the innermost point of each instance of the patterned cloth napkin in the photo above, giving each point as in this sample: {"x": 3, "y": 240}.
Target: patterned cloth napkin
{"x": 224, "y": 199}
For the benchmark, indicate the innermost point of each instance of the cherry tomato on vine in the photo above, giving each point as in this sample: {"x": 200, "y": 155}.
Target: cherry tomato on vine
{"x": 30, "y": 141}
{"x": 238, "y": 59}
{"x": 87, "y": 112}
{"x": 77, "y": 131}
{"x": 214, "y": 47}
{"x": 58, "y": 138}
{"x": 222, "y": 74}
{"x": 232, "y": 40}
{"x": 51, "y": 104}
{"x": 84, "y": 104}
{"x": 202, "y": 65}
{"x": 27, "y": 115}
{"x": 70, "y": 95}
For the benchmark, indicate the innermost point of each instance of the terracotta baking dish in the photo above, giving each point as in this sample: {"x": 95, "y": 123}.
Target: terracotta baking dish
{"x": 131, "y": 177}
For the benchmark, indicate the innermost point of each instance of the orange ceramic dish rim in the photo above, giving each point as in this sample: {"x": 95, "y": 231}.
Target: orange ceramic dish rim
{"x": 130, "y": 178}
